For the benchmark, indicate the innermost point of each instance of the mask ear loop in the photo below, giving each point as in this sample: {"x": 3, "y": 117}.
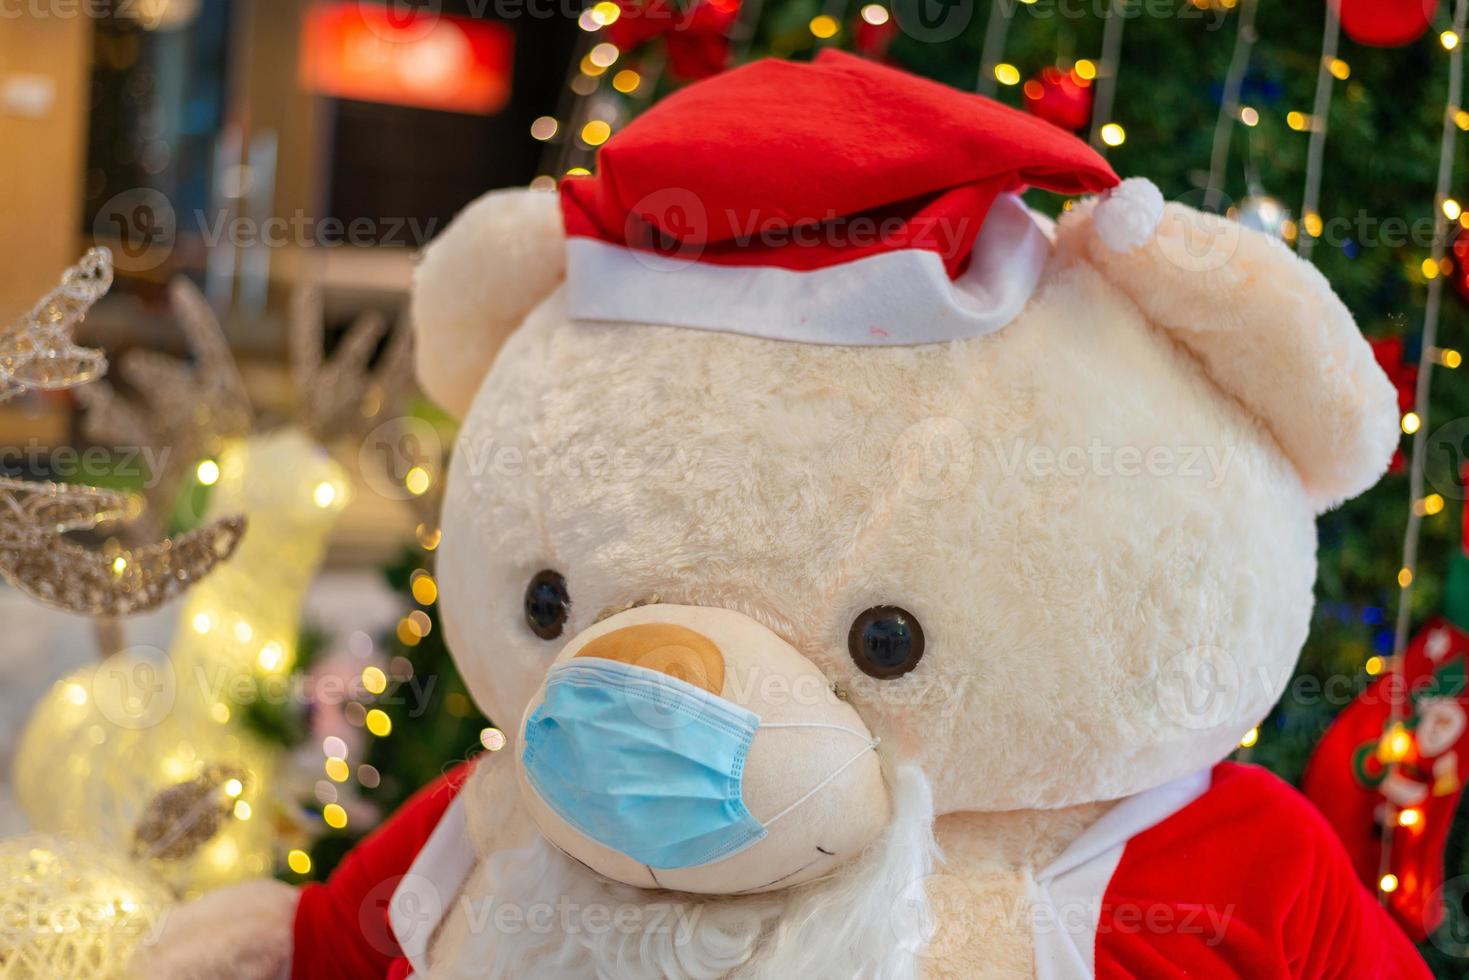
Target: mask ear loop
{"x": 872, "y": 743}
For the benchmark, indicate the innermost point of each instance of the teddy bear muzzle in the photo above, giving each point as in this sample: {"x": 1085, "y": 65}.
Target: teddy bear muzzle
{"x": 691, "y": 748}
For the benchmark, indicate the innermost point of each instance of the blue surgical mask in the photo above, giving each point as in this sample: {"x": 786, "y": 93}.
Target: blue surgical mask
{"x": 649, "y": 765}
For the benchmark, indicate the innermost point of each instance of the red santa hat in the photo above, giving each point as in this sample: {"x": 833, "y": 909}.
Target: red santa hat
{"x": 837, "y": 202}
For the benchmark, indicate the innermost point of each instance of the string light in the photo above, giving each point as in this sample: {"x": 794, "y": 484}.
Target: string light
{"x": 1373, "y": 666}
{"x": 1410, "y": 817}
{"x": 1397, "y": 704}
{"x": 417, "y": 479}
{"x": 337, "y": 770}
{"x": 1297, "y": 120}
{"x": 604, "y": 55}
{"x": 425, "y": 590}
{"x": 407, "y": 635}
{"x": 1113, "y": 134}
{"x": 627, "y": 81}
{"x": 233, "y": 787}
{"x": 875, "y": 14}
{"x": 1229, "y": 105}
{"x": 1249, "y": 116}
{"x": 1339, "y": 69}
{"x": 242, "y": 810}
{"x": 492, "y": 739}
{"x": 824, "y": 26}
{"x": 1085, "y": 69}
{"x": 1395, "y": 744}
{"x": 378, "y": 722}
{"x": 271, "y": 657}
{"x": 299, "y": 861}
{"x": 207, "y": 473}
{"x": 374, "y": 680}
{"x": 324, "y": 494}
{"x": 1431, "y": 505}
{"x": 544, "y": 128}
{"x": 1007, "y": 74}
{"x": 1451, "y": 209}
{"x": 606, "y": 13}
{"x": 1251, "y": 737}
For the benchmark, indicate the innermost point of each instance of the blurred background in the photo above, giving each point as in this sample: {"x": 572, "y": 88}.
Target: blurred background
{"x": 264, "y": 172}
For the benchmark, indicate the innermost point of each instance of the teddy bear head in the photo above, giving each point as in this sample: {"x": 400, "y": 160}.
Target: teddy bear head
{"x": 1023, "y": 523}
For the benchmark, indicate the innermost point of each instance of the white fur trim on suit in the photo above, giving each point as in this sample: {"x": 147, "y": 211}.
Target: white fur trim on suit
{"x": 431, "y": 884}
{"x": 1069, "y": 892}
{"x": 895, "y": 298}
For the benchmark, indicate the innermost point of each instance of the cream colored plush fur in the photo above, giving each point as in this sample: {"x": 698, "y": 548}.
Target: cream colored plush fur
{"x": 1102, "y": 515}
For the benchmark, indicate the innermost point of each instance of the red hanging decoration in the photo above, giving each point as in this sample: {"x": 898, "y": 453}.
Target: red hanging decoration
{"x": 873, "y": 31}
{"x": 1459, "y": 278}
{"x": 1385, "y": 23}
{"x": 696, "y": 38}
{"x": 1404, "y": 376}
{"x": 1062, "y": 98}
{"x": 1367, "y": 771}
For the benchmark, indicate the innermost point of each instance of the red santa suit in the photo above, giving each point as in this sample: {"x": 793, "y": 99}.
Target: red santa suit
{"x": 1228, "y": 873}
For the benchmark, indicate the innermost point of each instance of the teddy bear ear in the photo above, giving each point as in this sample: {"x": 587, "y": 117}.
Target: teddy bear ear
{"x": 502, "y": 255}
{"x": 1263, "y": 324}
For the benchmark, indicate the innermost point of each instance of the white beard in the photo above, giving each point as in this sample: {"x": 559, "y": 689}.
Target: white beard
{"x": 547, "y": 916}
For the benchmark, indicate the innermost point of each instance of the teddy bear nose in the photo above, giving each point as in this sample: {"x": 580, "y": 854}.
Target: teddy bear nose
{"x": 676, "y": 651}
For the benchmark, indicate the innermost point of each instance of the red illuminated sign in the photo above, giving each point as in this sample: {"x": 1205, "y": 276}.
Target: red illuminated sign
{"x": 374, "y": 53}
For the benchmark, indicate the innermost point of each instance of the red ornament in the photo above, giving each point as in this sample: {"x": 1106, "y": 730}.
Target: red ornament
{"x": 1404, "y": 376}
{"x": 1062, "y": 98}
{"x": 872, "y": 32}
{"x": 696, "y": 37}
{"x": 1460, "y": 276}
{"x": 1368, "y": 770}
{"x": 1385, "y": 23}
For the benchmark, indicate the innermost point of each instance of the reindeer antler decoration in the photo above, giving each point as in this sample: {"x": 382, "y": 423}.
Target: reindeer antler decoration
{"x": 183, "y": 411}
{"x": 37, "y": 352}
{"x": 35, "y": 556}
{"x": 344, "y": 394}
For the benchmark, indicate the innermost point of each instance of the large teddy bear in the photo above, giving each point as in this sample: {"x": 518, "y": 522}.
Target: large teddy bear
{"x": 870, "y": 575}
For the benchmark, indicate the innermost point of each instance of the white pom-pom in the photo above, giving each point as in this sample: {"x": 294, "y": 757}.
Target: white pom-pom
{"x": 1129, "y": 214}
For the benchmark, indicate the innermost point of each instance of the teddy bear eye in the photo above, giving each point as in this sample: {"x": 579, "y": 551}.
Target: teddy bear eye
{"x": 547, "y": 604}
{"x": 886, "y": 641}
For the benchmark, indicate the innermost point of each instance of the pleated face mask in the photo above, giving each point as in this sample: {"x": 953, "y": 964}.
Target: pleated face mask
{"x": 649, "y": 765}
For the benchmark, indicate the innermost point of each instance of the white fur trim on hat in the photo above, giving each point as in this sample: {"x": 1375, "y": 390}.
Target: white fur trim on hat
{"x": 895, "y": 298}
{"x": 1128, "y": 215}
